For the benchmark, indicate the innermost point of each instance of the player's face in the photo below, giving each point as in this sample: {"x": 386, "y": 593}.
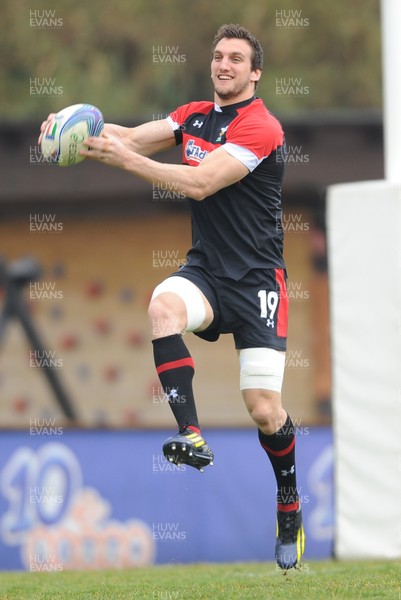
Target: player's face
{"x": 232, "y": 74}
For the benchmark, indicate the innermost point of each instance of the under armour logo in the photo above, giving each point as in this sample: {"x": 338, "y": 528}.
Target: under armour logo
{"x": 198, "y": 123}
{"x": 284, "y": 473}
{"x": 270, "y": 323}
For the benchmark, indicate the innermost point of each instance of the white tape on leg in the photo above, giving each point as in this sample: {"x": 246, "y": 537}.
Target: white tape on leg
{"x": 189, "y": 294}
{"x": 261, "y": 368}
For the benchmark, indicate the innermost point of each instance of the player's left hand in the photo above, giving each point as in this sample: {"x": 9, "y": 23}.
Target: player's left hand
{"x": 107, "y": 149}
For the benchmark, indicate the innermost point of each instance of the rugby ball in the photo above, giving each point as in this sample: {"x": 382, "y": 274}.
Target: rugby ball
{"x": 63, "y": 137}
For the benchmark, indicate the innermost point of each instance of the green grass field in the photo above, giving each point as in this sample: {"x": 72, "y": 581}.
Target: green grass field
{"x": 258, "y": 581}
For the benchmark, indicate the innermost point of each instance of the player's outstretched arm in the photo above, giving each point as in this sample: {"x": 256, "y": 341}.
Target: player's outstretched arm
{"x": 218, "y": 170}
{"x": 146, "y": 139}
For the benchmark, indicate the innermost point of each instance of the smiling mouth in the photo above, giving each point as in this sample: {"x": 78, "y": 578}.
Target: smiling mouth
{"x": 224, "y": 77}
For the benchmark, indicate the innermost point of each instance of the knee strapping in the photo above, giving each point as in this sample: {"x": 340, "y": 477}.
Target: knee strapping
{"x": 261, "y": 368}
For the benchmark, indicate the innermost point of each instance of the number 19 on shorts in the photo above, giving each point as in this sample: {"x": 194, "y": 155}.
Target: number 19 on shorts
{"x": 268, "y": 306}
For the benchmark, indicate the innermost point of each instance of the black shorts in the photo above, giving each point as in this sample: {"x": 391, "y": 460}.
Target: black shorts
{"x": 254, "y": 309}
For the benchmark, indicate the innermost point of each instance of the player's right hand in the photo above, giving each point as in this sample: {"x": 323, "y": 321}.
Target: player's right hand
{"x": 44, "y": 125}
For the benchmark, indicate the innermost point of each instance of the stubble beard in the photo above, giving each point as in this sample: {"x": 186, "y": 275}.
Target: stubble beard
{"x": 229, "y": 94}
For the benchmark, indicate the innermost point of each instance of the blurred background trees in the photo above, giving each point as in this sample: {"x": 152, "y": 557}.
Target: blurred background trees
{"x": 104, "y": 53}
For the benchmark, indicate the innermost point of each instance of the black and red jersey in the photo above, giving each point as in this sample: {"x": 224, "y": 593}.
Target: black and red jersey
{"x": 239, "y": 227}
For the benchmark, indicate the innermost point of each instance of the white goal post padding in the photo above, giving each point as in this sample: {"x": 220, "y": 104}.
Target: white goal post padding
{"x": 364, "y": 252}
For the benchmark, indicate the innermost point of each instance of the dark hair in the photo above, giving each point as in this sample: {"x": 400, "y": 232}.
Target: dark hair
{"x": 241, "y": 33}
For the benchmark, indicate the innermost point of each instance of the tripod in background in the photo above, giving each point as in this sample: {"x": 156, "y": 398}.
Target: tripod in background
{"x": 13, "y": 278}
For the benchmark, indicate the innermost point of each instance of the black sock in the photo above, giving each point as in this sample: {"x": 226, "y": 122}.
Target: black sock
{"x": 175, "y": 368}
{"x": 280, "y": 448}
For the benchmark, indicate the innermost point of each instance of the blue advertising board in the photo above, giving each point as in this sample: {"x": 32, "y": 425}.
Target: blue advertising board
{"x": 76, "y": 499}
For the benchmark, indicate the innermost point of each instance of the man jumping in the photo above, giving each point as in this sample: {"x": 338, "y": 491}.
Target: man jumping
{"x": 234, "y": 280}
